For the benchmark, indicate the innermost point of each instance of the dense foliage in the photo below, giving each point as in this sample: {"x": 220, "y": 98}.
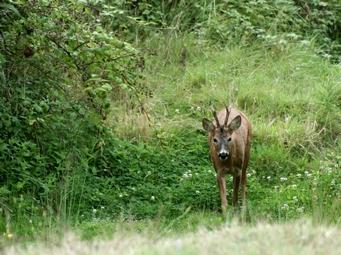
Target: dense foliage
{"x": 89, "y": 91}
{"x": 59, "y": 68}
{"x": 275, "y": 23}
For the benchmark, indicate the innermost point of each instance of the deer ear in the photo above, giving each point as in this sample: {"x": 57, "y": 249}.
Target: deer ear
{"x": 235, "y": 123}
{"x": 207, "y": 125}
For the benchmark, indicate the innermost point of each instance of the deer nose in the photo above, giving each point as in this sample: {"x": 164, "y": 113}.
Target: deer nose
{"x": 223, "y": 155}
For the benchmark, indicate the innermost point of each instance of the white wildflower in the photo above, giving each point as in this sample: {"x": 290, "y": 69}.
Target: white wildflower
{"x": 283, "y": 179}
{"x": 300, "y": 209}
{"x": 285, "y": 207}
{"x": 305, "y": 42}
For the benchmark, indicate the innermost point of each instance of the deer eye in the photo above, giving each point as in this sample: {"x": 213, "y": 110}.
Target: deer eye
{"x": 229, "y": 139}
{"x": 215, "y": 140}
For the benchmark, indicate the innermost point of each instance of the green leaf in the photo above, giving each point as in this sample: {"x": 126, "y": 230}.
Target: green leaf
{"x": 11, "y": 8}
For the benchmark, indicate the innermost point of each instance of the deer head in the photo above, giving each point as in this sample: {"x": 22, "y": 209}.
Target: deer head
{"x": 220, "y": 136}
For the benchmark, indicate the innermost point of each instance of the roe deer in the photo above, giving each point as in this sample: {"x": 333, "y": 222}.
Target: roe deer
{"x": 229, "y": 138}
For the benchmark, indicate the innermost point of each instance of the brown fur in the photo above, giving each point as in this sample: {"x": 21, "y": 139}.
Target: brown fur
{"x": 238, "y": 160}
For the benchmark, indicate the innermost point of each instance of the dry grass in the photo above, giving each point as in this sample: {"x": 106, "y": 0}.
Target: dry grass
{"x": 300, "y": 237}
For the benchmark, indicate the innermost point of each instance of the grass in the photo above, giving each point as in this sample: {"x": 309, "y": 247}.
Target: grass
{"x": 299, "y": 237}
{"x": 291, "y": 97}
{"x": 286, "y": 91}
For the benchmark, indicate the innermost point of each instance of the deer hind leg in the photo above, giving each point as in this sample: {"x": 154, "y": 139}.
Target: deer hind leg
{"x": 236, "y": 181}
{"x": 244, "y": 188}
{"x": 222, "y": 190}
{"x": 244, "y": 176}
{"x": 244, "y": 181}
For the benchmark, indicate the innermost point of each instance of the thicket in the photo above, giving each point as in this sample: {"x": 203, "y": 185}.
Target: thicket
{"x": 275, "y": 23}
{"x": 71, "y": 71}
{"x": 60, "y": 69}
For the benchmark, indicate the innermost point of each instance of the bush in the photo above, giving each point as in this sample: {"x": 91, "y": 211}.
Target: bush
{"x": 60, "y": 68}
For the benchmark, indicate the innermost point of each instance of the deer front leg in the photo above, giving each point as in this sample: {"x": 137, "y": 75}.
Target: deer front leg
{"x": 222, "y": 190}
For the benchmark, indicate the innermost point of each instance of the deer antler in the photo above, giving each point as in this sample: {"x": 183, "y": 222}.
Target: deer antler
{"x": 227, "y": 116}
{"x": 216, "y": 118}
